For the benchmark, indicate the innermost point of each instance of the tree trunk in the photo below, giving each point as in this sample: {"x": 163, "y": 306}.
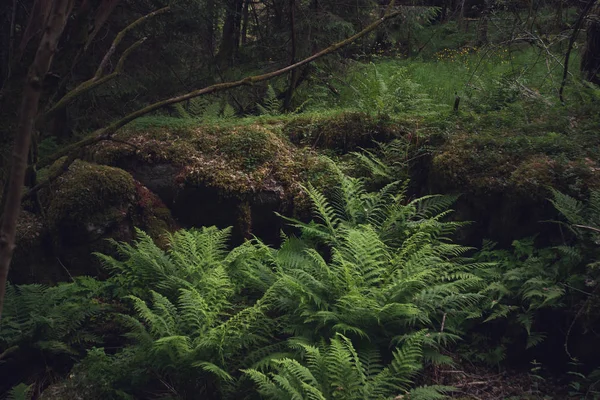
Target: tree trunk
{"x": 245, "y": 15}
{"x": 29, "y": 108}
{"x": 287, "y": 103}
{"x": 482, "y": 28}
{"x": 209, "y": 35}
{"x": 231, "y": 32}
{"x": 7, "y": 44}
{"x": 582, "y": 16}
{"x": 590, "y": 57}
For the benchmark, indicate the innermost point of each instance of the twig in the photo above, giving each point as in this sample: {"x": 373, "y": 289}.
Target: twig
{"x": 591, "y": 228}
{"x": 65, "y": 268}
{"x": 63, "y": 168}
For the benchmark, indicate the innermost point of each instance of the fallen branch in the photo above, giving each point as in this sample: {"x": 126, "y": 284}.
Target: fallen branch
{"x": 107, "y": 132}
{"x": 589, "y": 228}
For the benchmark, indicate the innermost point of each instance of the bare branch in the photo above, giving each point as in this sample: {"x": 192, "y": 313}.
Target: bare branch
{"x": 589, "y": 228}
{"x": 98, "y": 79}
{"x": 121, "y": 35}
{"x": 88, "y": 85}
{"x": 54, "y": 176}
{"x": 107, "y": 132}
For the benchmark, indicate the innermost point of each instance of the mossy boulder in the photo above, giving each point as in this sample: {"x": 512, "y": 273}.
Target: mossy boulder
{"x": 506, "y": 177}
{"x": 343, "y": 132}
{"x": 236, "y": 175}
{"x": 86, "y": 205}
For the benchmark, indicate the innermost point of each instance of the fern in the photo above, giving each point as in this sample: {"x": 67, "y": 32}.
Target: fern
{"x": 51, "y": 319}
{"x": 20, "y": 392}
{"x": 271, "y": 105}
{"x": 339, "y": 371}
{"x": 388, "y": 268}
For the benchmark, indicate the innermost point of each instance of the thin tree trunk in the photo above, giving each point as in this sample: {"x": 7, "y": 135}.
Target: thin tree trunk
{"x": 209, "y": 35}
{"x": 245, "y": 15}
{"x": 461, "y": 16}
{"x": 231, "y": 33}
{"x": 287, "y": 103}
{"x": 576, "y": 29}
{"x": 590, "y": 56}
{"x": 7, "y": 51}
{"x": 29, "y": 108}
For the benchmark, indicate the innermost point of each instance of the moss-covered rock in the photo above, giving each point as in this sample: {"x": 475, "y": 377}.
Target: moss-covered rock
{"x": 506, "y": 177}
{"x": 88, "y": 197}
{"x": 511, "y": 162}
{"x": 220, "y": 175}
{"x": 86, "y": 205}
{"x": 343, "y": 132}
{"x": 29, "y": 258}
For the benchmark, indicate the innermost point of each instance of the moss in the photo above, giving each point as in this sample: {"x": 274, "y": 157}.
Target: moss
{"x": 500, "y": 161}
{"x": 152, "y": 215}
{"x": 85, "y": 189}
{"x": 346, "y": 131}
{"x": 238, "y": 161}
{"x": 534, "y": 176}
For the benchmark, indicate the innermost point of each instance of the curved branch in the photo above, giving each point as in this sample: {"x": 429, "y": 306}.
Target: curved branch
{"x": 98, "y": 79}
{"x": 122, "y": 34}
{"x": 108, "y": 131}
{"x": 88, "y": 85}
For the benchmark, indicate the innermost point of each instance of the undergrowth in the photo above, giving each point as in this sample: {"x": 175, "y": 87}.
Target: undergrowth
{"x": 355, "y": 306}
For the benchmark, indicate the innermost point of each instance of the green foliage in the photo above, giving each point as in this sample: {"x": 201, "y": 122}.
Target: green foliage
{"x": 521, "y": 282}
{"x": 338, "y": 371}
{"x": 526, "y": 280}
{"x": 52, "y": 320}
{"x": 271, "y": 105}
{"x": 387, "y": 92}
{"x": 20, "y": 392}
{"x": 583, "y": 386}
{"x": 371, "y": 266}
{"x": 192, "y": 255}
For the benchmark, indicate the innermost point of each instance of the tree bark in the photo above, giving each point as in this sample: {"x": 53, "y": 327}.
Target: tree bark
{"x": 245, "y": 17}
{"x": 590, "y": 57}
{"x": 231, "y": 33}
{"x": 287, "y": 103}
{"x": 29, "y": 106}
{"x": 576, "y": 28}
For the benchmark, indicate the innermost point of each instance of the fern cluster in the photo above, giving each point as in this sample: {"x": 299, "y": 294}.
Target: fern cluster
{"x": 371, "y": 272}
{"x": 525, "y": 280}
{"x": 54, "y": 323}
{"x": 367, "y": 293}
{"x": 338, "y": 371}
{"x": 378, "y": 92}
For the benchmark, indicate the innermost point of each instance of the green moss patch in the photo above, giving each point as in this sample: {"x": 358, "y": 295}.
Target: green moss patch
{"x": 527, "y": 164}
{"x": 237, "y": 161}
{"x": 344, "y": 132}
{"x": 88, "y": 191}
